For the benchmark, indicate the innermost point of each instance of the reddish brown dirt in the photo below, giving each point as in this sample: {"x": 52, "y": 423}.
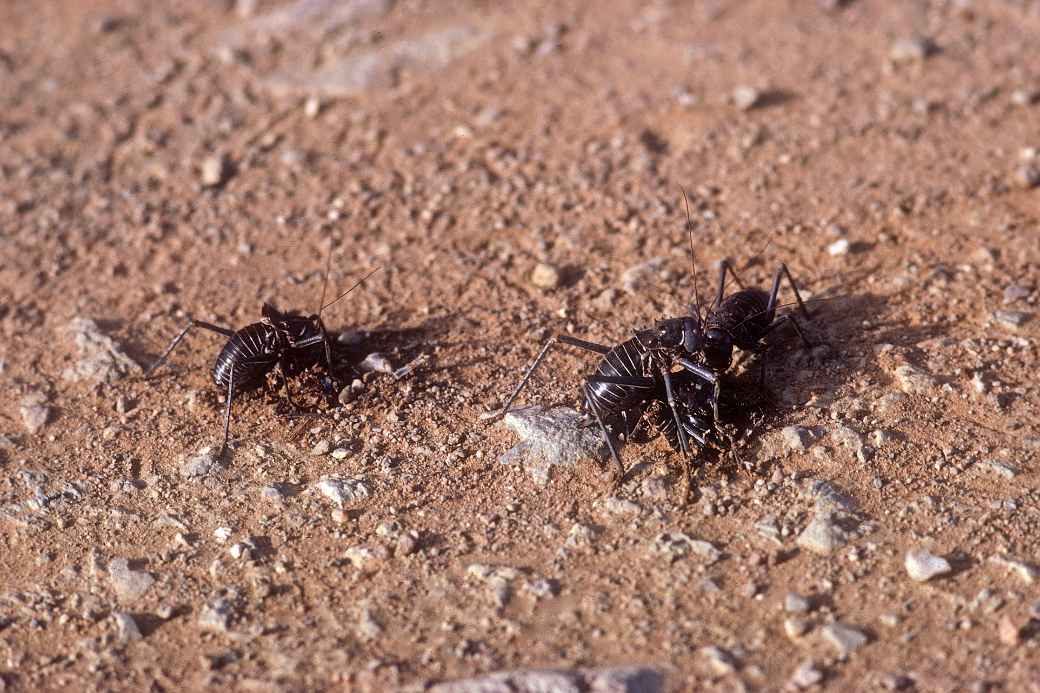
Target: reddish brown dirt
{"x": 562, "y": 138}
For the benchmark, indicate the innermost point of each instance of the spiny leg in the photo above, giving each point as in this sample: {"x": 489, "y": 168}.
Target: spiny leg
{"x": 177, "y": 340}
{"x": 775, "y": 292}
{"x": 227, "y": 409}
{"x": 580, "y": 343}
{"x": 684, "y": 444}
{"x": 724, "y": 267}
{"x": 619, "y": 469}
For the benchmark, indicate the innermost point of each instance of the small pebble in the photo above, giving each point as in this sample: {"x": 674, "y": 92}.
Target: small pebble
{"x": 320, "y": 448}
{"x": 745, "y": 98}
{"x": 1009, "y": 630}
{"x": 312, "y": 107}
{"x": 839, "y": 247}
{"x": 795, "y": 603}
{"x": 806, "y": 675}
{"x": 721, "y": 661}
{"x": 796, "y": 437}
{"x": 1025, "y": 97}
{"x": 35, "y": 412}
{"x": 545, "y": 276}
{"x": 1011, "y": 318}
{"x": 922, "y": 566}
{"x": 1027, "y": 176}
{"x": 844, "y": 638}
{"x": 375, "y": 362}
{"x": 1014, "y": 292}
{"x": 795, "y": 627}
{"x": 998, "y": 467}
{"x": 126, "y": 627}
{"x": 911, "y": 49}
{"x": 214, "y": 171}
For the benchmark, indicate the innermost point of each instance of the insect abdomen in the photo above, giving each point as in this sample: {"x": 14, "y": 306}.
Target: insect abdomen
{"x": 250, "y": 354}
{"x": 743, "y": 315}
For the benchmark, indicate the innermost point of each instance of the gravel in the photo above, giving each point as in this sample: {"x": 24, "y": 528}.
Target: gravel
{"x": 1011, "y": 318}
{"x": 923, "y": 566}
{"x": 795, "y": 603}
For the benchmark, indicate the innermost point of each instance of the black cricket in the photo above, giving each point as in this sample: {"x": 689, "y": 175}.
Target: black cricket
{"x": 679, "y": 363}
{"x": 290, "y": 341}
{"x": 632, "y": 376}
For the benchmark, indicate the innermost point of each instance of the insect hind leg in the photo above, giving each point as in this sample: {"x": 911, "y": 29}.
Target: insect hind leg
{"x": 177, "y": 340}
{"x": 781, "y": 272}
{"x": 725, "y": 267}
{"x": 619, "y": 468}
{"x": 572, "y": 341}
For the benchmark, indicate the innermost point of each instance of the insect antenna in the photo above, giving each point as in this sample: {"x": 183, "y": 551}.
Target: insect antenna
{"x": 693, "y": 255}
{"x": 359, "y": 283}
{"x": 325, "y": 284}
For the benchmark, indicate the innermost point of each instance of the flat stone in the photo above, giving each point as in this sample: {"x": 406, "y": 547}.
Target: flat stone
{"x": 999, "y": 468}
{"x": 376, "y": 362}
{"x": 634, "y": 679}
{"x": 551, "y": 437}
{"x": 100, "y": 358}
{"x": 922, "y": 566}
{"x": 35, "y": 412}
{"x": 1011, "y": 318}
{"x": 383, "y": 66}
{"x": 822, "y": 535}
{"x": 216, "y": 615}
{"x": 341, "y": 491}
{"x": 796, "y": 438}
{"x": 843, "y": 638}
{"x": 128, "y": 584}
{"x": 677, "y": 545}
{"x": 126, "y": 627}
{"x": 201, "y": 465}
{"x": 914, "y": 381}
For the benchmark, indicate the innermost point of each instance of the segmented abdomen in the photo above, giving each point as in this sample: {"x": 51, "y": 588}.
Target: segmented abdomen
{"x": 249, "y": 354}
{"x": 621, "y": 406}
{"x": 743, "y": 315}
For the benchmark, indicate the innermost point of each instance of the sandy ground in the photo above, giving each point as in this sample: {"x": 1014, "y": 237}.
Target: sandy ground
{"x": 161, "y": 160}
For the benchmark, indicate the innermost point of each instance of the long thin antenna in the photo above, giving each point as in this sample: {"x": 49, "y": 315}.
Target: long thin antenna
{"x": 328, "y": 271}
{"x": 359, "y": 283}
{"x": 693, "y": 254}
